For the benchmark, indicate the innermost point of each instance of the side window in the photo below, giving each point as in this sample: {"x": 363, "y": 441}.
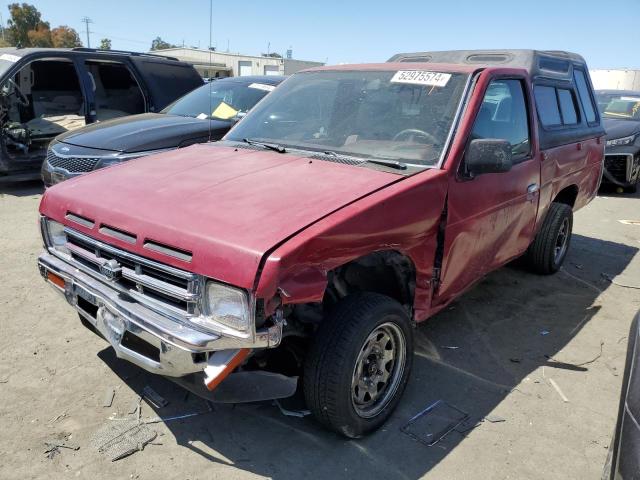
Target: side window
{"x": 547, "y": 105}
{"x": 585, "y": 97}
{"x": 567, "y": 107}
{"x": 503, "y": 115}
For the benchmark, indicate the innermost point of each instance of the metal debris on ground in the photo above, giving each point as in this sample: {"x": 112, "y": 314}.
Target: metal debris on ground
{"x": 545, "y": 332}
{"x": 579, "y": 364}
{"x": 54, "y": 446}
{"x": 117, "y": 440}
{"x": 557, "y": 389}
{"x": 175, "y": 417}
{"x": 291, "y": 413}
{"x": 494, "y": 419}
{"x": 135, "y": 406}
{"x": 153, "y": 397}
{"x": 434, "y": 422}
{"x": 449, "y": 347}
{"x": 109, "y": 393}
{"x": 58, "y": 417}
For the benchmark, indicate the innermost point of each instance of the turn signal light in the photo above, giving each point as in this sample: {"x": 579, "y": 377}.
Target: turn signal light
{"x": 56, "y": 279}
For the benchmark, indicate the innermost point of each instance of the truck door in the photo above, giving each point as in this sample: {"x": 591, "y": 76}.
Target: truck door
{"x": 491, "y": 217}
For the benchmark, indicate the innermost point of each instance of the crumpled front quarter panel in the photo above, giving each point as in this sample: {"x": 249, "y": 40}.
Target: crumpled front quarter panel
{"x": 403, "y": 217}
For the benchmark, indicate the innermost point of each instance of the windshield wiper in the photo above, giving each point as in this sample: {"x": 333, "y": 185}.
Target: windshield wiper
{"x": 387, "y": 163}
{"x": 269, "y": 146}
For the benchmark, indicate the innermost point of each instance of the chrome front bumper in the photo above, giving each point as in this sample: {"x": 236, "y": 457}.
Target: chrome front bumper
{"x": 140, "y": 335}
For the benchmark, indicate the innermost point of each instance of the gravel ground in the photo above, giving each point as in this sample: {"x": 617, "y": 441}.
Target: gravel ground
{"x": 54, "y": 374}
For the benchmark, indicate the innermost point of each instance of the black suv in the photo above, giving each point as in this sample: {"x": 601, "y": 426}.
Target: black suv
{"x": 204, "y": 114}
{"x": 621, "y": 118}
{"x": 47, "y": 91}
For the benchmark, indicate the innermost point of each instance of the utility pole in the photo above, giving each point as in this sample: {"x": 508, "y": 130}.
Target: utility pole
{"x": 87, "y": 21}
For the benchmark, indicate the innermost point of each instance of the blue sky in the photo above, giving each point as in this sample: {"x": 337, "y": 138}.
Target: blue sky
{"x": 606, "y": 33}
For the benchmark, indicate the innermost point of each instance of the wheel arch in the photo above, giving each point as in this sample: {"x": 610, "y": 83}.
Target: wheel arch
{"x": 568, "y": 195}
{"x": 387, "y": 272}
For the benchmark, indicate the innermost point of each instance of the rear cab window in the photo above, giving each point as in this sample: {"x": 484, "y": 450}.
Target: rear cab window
{"x": 547, "y": 105}
{"x": 585, "y": 97}
{"x": 556, "y": 106}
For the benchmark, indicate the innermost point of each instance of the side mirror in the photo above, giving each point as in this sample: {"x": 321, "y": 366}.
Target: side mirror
{"x": 488, "y": 155}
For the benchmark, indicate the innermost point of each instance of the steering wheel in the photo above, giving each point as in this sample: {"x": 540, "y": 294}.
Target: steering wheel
{"x": 21, "y": 97}
{"x": 413, "y": 133}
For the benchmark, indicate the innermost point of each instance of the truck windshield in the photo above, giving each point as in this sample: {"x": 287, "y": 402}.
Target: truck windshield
{"x": 394, "y": 115}
{"x": 624, "y": 106}
{"x": 226, "y": 99}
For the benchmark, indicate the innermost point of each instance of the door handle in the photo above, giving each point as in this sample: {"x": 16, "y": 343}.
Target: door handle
{"x": 533, "y": 188}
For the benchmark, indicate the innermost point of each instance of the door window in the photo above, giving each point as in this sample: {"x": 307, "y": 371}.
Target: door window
{"x": 116, "y": 91}
{"x": 503, "y": 115}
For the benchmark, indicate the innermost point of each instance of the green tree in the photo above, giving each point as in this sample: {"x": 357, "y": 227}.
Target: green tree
{"x": 105, "y": 44}
{"x": 159, "y": 44}
{"x": 65, "y": 37}
{"x": 39, "y": 37}
{"x": 24, "y": 19}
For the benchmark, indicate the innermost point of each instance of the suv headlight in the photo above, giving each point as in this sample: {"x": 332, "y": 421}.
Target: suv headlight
{"x": 225, "y": 308}
{"x": 616, "y": 142}
{"x": 56, "y": 237}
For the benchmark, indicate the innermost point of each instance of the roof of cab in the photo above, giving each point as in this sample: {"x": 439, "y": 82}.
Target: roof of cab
{"x": 451, "y": 67}
{"x": 539, "y": 63}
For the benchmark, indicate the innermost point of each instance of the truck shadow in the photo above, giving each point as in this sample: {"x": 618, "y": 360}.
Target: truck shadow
{"x": 503, "y": 329}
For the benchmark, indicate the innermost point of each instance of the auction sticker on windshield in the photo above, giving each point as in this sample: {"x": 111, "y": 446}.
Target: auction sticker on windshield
{"x": 421, "y": 77}
{"x": 9, "y": 58}
{"x": 262, "y": 86}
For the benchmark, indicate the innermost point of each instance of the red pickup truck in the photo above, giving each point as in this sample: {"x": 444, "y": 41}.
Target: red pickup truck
{"x": 352, "y": 203}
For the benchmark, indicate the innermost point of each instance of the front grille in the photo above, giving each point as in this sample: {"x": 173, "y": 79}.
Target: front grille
{"x": 616, "y": 165}
{"x": 72, "y": 164}
{"x": 148, "y": 281}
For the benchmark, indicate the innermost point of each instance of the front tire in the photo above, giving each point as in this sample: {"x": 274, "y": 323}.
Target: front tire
{"x": 549, "y": 248}
{"x": 359, "y": 364}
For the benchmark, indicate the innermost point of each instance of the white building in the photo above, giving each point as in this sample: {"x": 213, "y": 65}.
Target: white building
{"x": 619, "y": 79}
{"x": 223, "y": 64}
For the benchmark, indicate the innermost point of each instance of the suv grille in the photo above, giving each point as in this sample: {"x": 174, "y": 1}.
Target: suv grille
{"x": 72, "y": 164}
{"x": 616, "y": 165}
{"x": 150, "y": 282}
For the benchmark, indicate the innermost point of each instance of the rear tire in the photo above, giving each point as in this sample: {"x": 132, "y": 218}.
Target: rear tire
{"x": 550, "y": 246}
{"x": 359, "y": 364}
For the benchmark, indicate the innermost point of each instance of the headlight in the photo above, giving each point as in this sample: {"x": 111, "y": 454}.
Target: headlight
{"x": 225, "y": 306}
{"x": 56, "y": 238}
{"x": 616, "y": 142}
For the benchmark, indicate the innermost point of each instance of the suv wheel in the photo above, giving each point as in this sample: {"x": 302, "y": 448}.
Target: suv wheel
{"x": 549, "y": 248}
{"x": 359, "y": 364}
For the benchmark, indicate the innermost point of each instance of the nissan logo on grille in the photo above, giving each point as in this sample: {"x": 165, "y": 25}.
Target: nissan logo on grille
{"x": 111, "y": 269}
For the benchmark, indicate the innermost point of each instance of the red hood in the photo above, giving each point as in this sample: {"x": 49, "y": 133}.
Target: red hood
{"x": 227, "y": 206}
